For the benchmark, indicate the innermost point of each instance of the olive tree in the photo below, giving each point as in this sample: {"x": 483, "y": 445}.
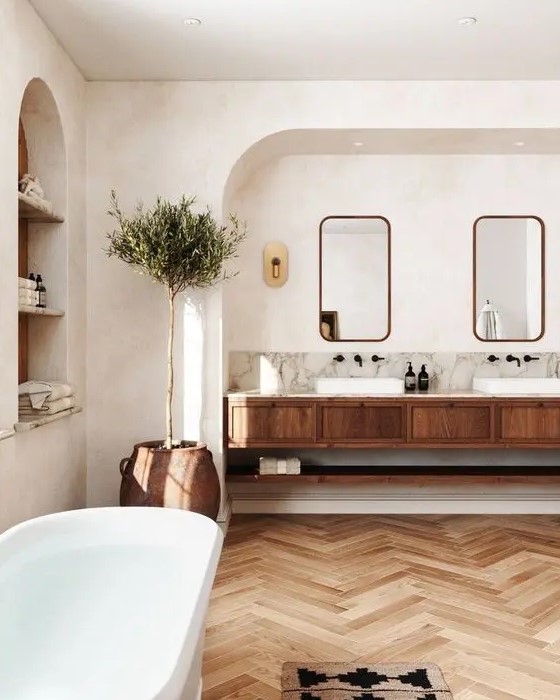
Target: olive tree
{"x": 179, "y": 248}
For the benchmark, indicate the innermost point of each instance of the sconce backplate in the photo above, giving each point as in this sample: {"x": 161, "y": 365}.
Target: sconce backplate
{"x": 278, "y": 250}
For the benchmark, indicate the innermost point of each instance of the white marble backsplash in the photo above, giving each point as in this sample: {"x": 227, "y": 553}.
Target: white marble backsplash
{"x": 289, "y": 373}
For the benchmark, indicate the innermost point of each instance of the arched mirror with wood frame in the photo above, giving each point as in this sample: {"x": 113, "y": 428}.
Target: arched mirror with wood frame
{"x": 509, "y": 278}
{"x": 354, "y": 278}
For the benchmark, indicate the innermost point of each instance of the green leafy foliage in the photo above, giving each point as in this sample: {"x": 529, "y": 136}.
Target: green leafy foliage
{"x": 178, "y": 247}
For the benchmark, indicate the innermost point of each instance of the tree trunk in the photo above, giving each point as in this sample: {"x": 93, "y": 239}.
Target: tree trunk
{"x": 169, "y": 414}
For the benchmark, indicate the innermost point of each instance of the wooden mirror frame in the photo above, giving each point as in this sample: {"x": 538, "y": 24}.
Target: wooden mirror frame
{"x": 355, "y": 216}
{"x": 475, "y": 311}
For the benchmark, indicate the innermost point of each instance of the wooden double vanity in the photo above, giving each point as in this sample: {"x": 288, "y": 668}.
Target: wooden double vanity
{"x": 389, "y": 422}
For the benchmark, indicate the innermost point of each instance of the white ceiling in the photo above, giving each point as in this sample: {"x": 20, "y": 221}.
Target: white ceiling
{"x": 308, "y": 39}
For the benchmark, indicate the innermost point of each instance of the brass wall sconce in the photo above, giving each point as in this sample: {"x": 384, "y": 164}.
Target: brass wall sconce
{"x": 275, "y": 264}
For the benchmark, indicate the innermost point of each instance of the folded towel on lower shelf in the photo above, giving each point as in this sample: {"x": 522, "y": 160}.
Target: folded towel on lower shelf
{"x": 277, "y": 465}
{"x": 41, "y": 391}
{"x": 47, "y": 409}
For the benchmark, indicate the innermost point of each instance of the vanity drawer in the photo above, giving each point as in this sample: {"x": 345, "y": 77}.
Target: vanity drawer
{"x": 361, "y": 422}
{"x": 269, "y": 423}
{"x": 529, "y": 422}
{"x": 450, "y": 422}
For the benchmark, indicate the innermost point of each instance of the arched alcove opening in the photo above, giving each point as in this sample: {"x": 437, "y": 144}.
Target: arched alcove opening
{"x": 285, "y": 183}
{"x": 43, "y": 245}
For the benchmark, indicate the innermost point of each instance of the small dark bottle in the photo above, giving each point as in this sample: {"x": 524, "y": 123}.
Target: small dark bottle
{"x": 423, "y": 379}
{"x": 32, "y": 277}
{"x": 42, "y": 292}
{"x": 410, "y": 379}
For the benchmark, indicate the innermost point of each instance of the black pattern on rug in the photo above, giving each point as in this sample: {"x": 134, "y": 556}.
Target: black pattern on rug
{"x": 364, "y": 678}
{"x": 367, "y": 696}
{"x": 344, "y": 681}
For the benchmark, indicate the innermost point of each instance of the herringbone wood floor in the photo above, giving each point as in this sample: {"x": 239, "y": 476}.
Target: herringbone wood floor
{"x": 478, "y": 595}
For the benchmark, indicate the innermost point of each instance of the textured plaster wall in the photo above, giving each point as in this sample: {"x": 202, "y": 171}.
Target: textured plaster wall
{"x": 44, "y": 470}
{"x": 146, "y": 139}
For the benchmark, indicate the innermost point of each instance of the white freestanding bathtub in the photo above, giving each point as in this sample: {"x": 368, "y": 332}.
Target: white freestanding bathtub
{"x": 105, "y": 604}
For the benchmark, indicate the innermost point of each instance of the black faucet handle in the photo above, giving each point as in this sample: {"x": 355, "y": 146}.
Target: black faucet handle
{"x": 376, "y": 358}
{"x": 529, "y": 358}
{"x": 493, "y": 358}
{"x": 339, "y": 358}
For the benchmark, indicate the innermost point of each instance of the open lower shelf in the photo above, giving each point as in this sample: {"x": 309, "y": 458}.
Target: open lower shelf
{"x": 399, "y": 475}
{"x": 39, "y": 311}
{"x": 28, "y": 210}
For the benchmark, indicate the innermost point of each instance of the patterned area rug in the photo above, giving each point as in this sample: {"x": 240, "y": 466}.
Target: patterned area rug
{"x": 334, "y": 681}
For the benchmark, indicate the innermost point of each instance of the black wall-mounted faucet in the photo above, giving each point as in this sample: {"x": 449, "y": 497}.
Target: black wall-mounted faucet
{"x": 376, "y": 358}
{"x": 493, "y": 358}
{"x": 358, "y": 359}
{"x": 511, "y": 358}
{"x": 528, "y": 358}
{"x": 339, "y": 358}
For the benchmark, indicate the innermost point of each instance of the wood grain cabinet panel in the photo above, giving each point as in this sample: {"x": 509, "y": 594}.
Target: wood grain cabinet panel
{"x": 272, "y": 423}
{"x": 407, "y": 423}
{"x": 361, "y": 422}
{"x": 537, "y": 422}
{"x": 445, "y": 423}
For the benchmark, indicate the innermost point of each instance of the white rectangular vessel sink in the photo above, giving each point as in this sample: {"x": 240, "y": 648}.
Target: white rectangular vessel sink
{"x": 517, "y": 385}
{"x": 359, "y": 385}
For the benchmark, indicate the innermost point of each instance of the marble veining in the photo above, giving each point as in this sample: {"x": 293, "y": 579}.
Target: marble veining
{"x": 293, "y": 373}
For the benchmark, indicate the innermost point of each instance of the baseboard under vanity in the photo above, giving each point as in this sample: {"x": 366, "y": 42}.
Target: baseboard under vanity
{"x": 518, "y": 501}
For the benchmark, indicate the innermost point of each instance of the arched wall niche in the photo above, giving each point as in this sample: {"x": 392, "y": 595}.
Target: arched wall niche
{"x": 43, "y": 247}
{"x": 45, "y": 141}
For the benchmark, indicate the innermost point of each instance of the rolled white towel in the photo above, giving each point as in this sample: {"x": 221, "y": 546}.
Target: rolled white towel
{"x": 265, "y": 471}
{"x": 49, "y": 408}
{"x": 41, "y": 391}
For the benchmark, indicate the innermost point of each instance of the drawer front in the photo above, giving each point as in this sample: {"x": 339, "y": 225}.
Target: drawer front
{"x": 539, "y": 423}
{"x": 361, "y": 423}
{"x": 272, "y": 423}
{"x": 451, "y": 423}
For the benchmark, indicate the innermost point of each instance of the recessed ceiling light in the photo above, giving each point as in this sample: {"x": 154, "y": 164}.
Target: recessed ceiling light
{"x": 358, "y": 143}
{"x": 192, "y": 22}
{"x": 519, "y": 143}
{"x": 467, "y": 21}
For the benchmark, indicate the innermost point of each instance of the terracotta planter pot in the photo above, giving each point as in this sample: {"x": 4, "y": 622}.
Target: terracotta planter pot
{"x": 184, "y": 477}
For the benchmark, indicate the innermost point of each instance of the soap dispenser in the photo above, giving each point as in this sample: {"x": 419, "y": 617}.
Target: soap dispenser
{"x": 410, "y": 379}
{"x": 423, "y": 379}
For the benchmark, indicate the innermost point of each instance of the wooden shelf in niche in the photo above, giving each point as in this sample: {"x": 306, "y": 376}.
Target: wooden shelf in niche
{"x": 24, "y": 426}
{"x": 40, "y": 311}
{"x": 31, "y": 212}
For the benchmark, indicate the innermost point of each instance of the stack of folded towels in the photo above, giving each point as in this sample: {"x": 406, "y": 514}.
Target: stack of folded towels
{"x": 38, "y": 399}
{"x": 276, "y": 465}
{"x": 27, "y": 294}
